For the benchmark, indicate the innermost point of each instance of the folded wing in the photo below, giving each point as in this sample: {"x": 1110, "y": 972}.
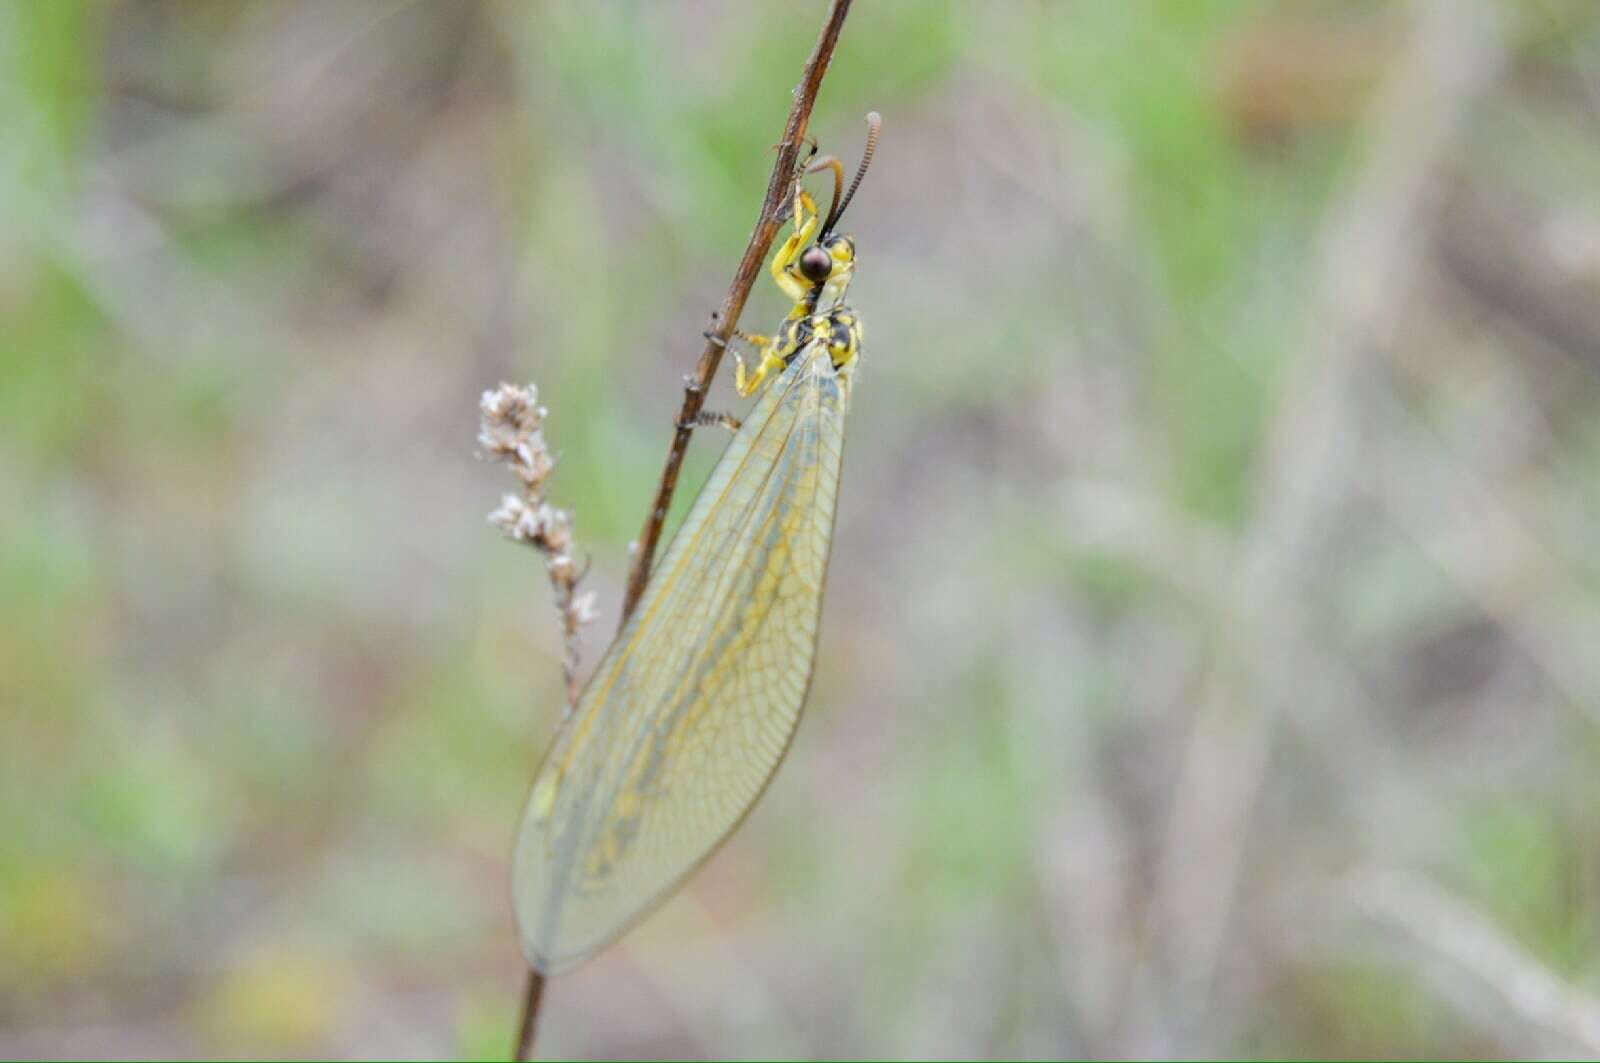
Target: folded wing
{"x": 693, "y": 706}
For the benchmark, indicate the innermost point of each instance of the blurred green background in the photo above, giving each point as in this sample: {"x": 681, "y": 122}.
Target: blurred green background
{"x": 1210, "y": 657}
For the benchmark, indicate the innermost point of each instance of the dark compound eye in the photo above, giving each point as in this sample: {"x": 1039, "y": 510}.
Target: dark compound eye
{"x": 815, "y": 265}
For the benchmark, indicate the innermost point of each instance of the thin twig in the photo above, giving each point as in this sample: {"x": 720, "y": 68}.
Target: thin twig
{"x": 528, "y": 1024}
{"x": 755, "y": 253}
{"x": 696, "y": 387}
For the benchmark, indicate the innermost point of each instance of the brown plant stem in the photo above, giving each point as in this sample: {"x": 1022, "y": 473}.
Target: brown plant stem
{"x": 528, "y": 1024}
{"x": 768, "y": 222}
{"x": 744, "y": 278}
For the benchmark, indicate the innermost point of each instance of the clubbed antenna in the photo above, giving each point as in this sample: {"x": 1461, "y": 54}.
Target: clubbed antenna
{"x": 874, "y": 124}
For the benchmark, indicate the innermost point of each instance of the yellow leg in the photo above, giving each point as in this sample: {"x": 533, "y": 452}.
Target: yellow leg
{"x": 806, "y": 220}
{"x": 747, "y": 383}
{"x": 706, "y": 418}
{"x": 754, "y": 339}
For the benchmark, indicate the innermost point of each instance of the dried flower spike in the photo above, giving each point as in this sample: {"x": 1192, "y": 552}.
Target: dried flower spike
{"x": 511, "y": 432}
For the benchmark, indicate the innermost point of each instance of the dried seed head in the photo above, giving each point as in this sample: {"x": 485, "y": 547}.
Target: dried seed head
{"x": 511, "y": 432}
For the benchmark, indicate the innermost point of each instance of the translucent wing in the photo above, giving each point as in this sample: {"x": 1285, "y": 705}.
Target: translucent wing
{"x": 693, "y": 706}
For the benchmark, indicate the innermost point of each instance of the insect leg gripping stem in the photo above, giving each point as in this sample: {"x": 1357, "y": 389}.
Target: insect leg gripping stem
{"x": 806, "y": 220}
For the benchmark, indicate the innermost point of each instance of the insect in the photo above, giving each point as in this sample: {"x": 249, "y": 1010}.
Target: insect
{"x": 694, "y": 704}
